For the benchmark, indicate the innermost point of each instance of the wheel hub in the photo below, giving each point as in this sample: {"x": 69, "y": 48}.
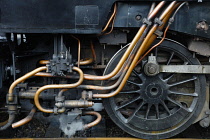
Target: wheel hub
{"x": 154, "y": 90}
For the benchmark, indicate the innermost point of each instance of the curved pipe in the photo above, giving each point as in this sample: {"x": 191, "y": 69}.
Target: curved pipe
{"x": 23, "y": 78}
{"x": 86, "y": 126}
{"x": 9, "y": 122}
{"x": 26, "y": 119}
{"x": 111, "y": 18}
{"x": 135, "y": 60}
{"x": 86, "y": 62}
{"x": 62, "y": 91}
{"x": 36, "y": 97}
{"x": 44, "y": 62}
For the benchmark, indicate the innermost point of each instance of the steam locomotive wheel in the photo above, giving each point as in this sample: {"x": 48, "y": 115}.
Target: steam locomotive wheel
{"x": 160, "y": 106}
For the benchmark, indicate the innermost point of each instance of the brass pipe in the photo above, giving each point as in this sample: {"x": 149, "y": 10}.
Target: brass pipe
{"x": 79, "y": 49}
{"x": 86, "y": 62}
{"x": 133, "y": 64}
{"x": 45, "y": 74}
{"x": 23, "y": 78}
{"x": 111, "y": 18}
{"x": 36, "y": 97}
{"x": 44, "y": 62}
{"x": 154, "y": 46}
{"x": 112, "y": 27}
{"x": 122, "y": 72}
{"x": 128, "y": 51}
{"x": 154, "y": 36}
{"x": 26, "y": 119}
{"x": 86, "y": 126}
{"x": 112, "y": 86}
{"x": 151, "y": 8}
{"x": 62, "y": 91}
{"x": 167, "y": 10}
{"x": 156, "y": 10}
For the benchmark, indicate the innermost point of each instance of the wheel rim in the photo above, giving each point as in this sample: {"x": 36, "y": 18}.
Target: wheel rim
{"x": 158, "y": 106}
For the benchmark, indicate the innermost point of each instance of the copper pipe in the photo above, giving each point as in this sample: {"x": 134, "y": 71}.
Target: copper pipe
{"x": 44, "y": 62}
{"x": 111, "y": 18}
{"x": 79, "y": 49}
{"x": 122, "y": 72}
{"x": 133, "y": 64}
{"x": 86, "y": 62}
{"x": 86, "y": 126}
{"x": 45, "y": 74}
{"x": 115, "y": 84}
{"x": 128, "y": 51}
{"x": 26, "y": 119}
{"x": 111, "y": 26}
{"x": 62, "y": 91}
{"x": 36, "y": 97}
{"x": 154, "y": 46}
{"x": 167, "y": 10}
{"x": 156, "y": 10}
{"x": 19, "y": 80}
{"x": 160, "y": 28}
{"x": 152, "y": 8}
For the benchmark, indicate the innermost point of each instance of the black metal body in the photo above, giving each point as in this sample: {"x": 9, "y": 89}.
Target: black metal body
{"x": 89, "y": 17}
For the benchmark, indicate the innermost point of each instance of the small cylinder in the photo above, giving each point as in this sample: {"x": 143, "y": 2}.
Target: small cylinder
{"x": 78, "y": 103}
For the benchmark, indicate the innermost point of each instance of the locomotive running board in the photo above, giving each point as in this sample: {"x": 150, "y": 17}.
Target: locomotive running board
{"x": 197, "y": 69}
{"x": 108, "y": 138}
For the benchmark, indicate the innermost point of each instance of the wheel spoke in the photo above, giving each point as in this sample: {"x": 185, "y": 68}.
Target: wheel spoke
{"x": 157, "y": 111}
{"x": 129, "y": 92}
{"x": 131, "y": 82}
{"x": 182, "y": 93}
{"x": 168, "y": 78}
{"x": 148, "y": 110}
{"x": 140, "y": 75}
{"x": 170, "y": 58}
{"x": 182, "y": 82}
{"x": 128, "y": 103}
{"x": 166, "y": 108}
{"x": 180, "y": 105}
{"x": 135, "y": 111}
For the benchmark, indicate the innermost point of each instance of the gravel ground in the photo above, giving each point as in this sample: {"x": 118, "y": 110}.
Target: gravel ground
{"x": 37, "y": 129}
